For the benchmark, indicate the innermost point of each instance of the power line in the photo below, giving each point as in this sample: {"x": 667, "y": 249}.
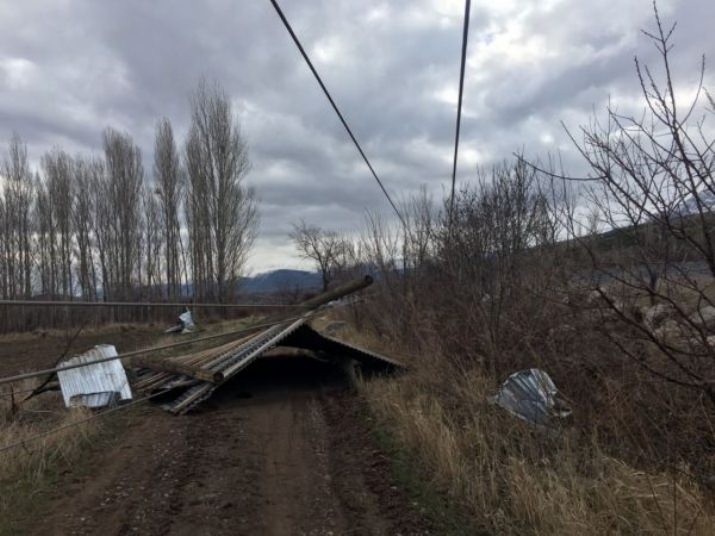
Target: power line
{"x": 11, "y": 393}
{"x": 36, "y": 373}
{"x": 54, "y": 303}
{"x": 465, "y": 36}
{"x": 35, "y": 437}
{"x": 335, "y": 107}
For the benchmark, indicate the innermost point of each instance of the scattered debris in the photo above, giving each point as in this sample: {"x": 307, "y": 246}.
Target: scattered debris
{"x": 532, "y": 396}
{"x": 97, "y": 378}
{"x": 223, "y": 362}
{"x": 96, "y": 385}
{"x": 186, "y": 324}
{"x": 230, "y": 359}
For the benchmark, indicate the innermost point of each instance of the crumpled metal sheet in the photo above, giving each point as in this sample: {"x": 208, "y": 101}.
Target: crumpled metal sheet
{"x": 532, "y": 396}
{"x": 96, "y": 385}
{"x": 187, "y": 321}
{"x": 186, "y": 324}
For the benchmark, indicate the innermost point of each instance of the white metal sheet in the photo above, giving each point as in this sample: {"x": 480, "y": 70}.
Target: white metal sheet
{"x": 94, "y": 385}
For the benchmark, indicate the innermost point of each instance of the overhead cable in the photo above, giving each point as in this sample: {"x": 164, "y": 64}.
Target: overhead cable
{"x": 23, "y": 442}
{"x": 79, "y": 303}
{"x": 335, "y": 107}
{"x": 465, "y": 37}
{"x": 244, "y": 331}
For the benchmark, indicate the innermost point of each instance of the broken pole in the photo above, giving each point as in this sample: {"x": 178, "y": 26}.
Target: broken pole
{"x": 337, "y": 293}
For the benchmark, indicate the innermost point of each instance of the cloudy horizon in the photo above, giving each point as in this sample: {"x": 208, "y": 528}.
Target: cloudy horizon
{"x": 71, "y": 68}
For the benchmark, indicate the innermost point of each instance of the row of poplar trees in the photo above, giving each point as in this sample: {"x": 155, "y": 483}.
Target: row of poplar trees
{"x": 97, "y": 227}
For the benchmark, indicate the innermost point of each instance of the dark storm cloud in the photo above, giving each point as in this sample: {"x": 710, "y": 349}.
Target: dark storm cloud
{"x": 70, "y": 68}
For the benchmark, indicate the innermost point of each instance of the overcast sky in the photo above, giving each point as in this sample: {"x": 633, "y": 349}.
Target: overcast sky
{"x": 69, "y": 68}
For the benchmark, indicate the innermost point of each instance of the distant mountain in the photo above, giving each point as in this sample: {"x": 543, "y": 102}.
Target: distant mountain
{"x": 278, "y": 280}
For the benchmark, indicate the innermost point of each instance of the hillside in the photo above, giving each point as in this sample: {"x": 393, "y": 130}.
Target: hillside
{"x": 280, "y": 280}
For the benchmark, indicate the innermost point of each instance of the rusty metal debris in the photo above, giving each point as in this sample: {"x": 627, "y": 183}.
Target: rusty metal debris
{"x": 95, "y": 385}
{"x": 531, "y": 396}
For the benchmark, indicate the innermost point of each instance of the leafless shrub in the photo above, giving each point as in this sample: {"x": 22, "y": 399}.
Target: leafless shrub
{"x": 330, "y": 252}
{"x": 652, "y": 183}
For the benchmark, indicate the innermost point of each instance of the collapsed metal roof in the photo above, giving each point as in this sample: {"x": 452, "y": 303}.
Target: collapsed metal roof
{"x": 296, "y": 334}
{"x": 207, "y": 371}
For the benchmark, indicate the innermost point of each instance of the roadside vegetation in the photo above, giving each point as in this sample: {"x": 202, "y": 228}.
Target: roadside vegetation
{"x": 607, "y": 282}
{"x": 27, "y": 471}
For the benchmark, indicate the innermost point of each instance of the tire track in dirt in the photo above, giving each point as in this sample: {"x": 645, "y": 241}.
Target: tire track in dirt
{"x": 293, "y": 458}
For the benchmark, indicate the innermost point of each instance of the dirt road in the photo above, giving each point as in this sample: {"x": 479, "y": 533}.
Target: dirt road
{"x": 282, "y": 451}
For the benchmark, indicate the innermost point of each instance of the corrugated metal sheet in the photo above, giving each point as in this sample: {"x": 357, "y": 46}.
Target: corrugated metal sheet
{"x": 187, "y": 321}
{"x": 186, "y": 324}
{"x": 532, "y": 396}
{"x": 234, "y": 362}
{"x": 310, "y": 339}
{"x": 95, "y": 385}
{"x": 297, "y": 334}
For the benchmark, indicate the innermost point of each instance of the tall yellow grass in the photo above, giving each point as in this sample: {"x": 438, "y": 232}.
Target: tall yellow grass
{"x": 31, "y": 460}
{"x": 513, "y": 479}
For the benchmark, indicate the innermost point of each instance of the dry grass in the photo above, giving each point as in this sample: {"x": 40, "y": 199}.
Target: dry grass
{"x": 106, "y": 329}
{"x": 619, "y": 467}
{"x": 28, "y": 469}
{"x": 31, "y": 418}
{"x": 512, "y": 479}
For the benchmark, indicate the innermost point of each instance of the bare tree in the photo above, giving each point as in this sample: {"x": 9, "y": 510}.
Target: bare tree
{"x": 58, "y": 169}
{"x": 167, "y": 175}
{"x": 327, "y": 249}
{"x": 421, "y": 220}
{"x": 105, "y": 223}
{"x": 652, "y": 182}
{"x": 221, "y": 210}
{"x": 45, "y": 248}
{"x": 16, "y": 224}
{"x": 120, "y": 208}
{"x": 84, "y": 224}
{"x": 152, "y": 243}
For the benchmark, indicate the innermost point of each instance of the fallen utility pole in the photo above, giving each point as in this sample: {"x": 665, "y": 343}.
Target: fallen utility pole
{"x": 337, "y": 293}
